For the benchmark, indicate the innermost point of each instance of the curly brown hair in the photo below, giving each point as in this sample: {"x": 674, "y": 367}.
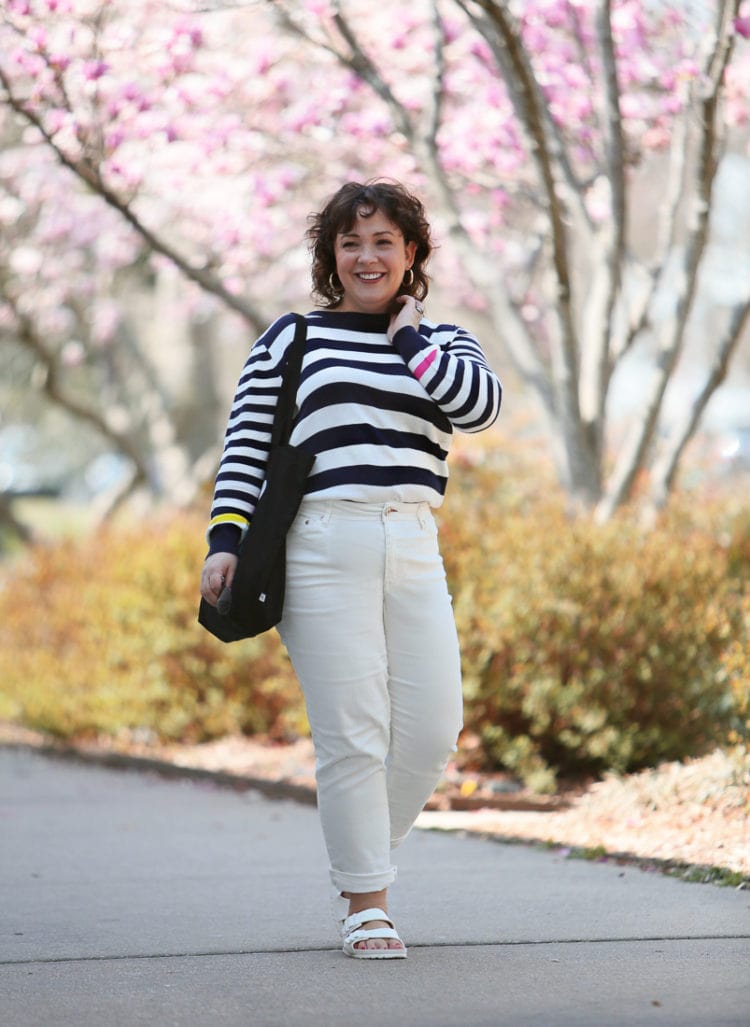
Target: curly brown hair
{"x": 339, "y": 215}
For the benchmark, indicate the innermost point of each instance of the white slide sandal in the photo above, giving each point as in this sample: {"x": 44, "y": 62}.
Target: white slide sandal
{"x": 353, "y": 933}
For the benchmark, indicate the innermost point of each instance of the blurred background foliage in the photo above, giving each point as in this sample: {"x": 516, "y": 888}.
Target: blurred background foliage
{"x": 586, "y": 646}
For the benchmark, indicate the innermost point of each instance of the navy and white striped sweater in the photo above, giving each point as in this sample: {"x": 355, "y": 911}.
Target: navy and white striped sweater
{"x": 378, "y": 415}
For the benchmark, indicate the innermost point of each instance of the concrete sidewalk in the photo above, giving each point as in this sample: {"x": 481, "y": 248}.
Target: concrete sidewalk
{"x": 126, "y": 899}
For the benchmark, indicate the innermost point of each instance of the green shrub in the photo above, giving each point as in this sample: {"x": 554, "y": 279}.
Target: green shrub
{"x": 589, "y": 646}
{"x": 100, "y": 637}
{"x": 736, "y": 664}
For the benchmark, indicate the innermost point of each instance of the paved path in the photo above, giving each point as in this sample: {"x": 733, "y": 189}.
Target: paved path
{"x": 127, "y": 899}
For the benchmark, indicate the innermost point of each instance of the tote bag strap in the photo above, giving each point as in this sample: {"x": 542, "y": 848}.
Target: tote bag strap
{"x": 282, "y": 422}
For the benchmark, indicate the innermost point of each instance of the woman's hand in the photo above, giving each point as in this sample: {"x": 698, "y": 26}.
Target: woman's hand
{"x": 409, "y": 314}
{"x": 218, "y": 571}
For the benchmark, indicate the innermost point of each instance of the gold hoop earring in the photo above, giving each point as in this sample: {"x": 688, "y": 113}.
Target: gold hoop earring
{"x": 337, "y": 289}
{"x": 410, "y": 282}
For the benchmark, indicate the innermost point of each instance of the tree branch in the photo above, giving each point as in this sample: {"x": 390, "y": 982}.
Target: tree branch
{"x": 438, "y": 93}
{"x": 672, "y": 337}
{"x": 123, "y": 442}
{"x": 596, "y": 334}
{"x": 640, "y": 310}
{"x": 88, "y": 173}
{"x": 502, "y": 33}
{"x": 531, "y": 111}
{"x": 665, "y": 467}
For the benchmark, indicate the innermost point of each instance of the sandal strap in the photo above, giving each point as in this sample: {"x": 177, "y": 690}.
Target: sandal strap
{"x": 355, "y": 921}
{"x": 375, "y": 932}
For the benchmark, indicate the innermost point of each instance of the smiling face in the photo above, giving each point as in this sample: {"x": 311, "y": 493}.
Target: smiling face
{"x": 372, "y": 258}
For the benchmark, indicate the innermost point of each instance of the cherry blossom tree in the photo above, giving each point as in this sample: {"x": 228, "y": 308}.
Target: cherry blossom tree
{"x": 568, "y": 151}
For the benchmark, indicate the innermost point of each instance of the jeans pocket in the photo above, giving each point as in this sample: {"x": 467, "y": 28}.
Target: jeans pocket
{"x": 311, "y": 521}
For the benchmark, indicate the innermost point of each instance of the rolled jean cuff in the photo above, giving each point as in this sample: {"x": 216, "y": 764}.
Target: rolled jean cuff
{"x": 356, "y": 884}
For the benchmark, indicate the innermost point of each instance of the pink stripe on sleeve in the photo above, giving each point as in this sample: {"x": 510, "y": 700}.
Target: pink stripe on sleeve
{"x": 420, "y": 369}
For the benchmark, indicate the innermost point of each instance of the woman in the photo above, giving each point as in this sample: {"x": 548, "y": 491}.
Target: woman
{"x": 368, "y": 621}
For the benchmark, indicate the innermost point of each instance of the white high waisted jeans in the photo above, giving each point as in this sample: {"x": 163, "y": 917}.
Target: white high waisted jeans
{"x": 369, "y": 627}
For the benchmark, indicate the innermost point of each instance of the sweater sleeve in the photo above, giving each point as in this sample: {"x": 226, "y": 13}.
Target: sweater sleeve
{"x": 247, "y": 442}
{"x": 449, "y": 364}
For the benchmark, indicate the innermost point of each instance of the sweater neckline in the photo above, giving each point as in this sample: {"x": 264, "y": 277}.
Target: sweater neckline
{"x": 352, "y": 319}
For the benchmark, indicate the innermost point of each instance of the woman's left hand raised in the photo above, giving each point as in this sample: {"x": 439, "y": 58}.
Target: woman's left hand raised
{"x": 410, "y": 313}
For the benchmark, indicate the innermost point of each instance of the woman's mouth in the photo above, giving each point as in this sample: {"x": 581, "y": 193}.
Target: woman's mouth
{"x": 370, "y": 276}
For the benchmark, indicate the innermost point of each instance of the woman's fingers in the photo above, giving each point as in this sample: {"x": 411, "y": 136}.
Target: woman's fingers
{"x": 229, "y": 569}
{"x": 218, "y": 572}
{"x": 410, "y": 313}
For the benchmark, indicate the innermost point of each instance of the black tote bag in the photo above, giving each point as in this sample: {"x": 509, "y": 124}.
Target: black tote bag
{"x": 255, "y": 602}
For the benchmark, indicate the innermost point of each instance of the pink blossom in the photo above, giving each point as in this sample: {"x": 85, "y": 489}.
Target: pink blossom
{"x": 130, "y": 91}
{"x": 656, "y": 137}
{"x": 56, "y": 120}
{"x": 37, "y": 35}
{"x": 633, "y": 106}
{"x": 73, "y": 354}
{"x": 59, "y": 61}
{"x": 672, "y": 103}
{"x": 181, "y": 61}
{"x": 113, "y": 138}
{"x": 29, "y": 63}
{"x": 556, "y": 14}
{"x": 229, "y": 237}
{"x": 235, "y": 285}
{"x": 93, "y": 70}
{"x": 688, "y": 69}
{"x": 480, "y": 49}
{"x": 189, "y": 31}
{"x": 147, "y": 124}
{"x": 26, "y": 260}
{"x": 127, "y": 175}
{"x": 7, "y": 317}
{"x": 451, "y": 30}
{"x": 742, "y": 26}
{"x": 672, "y": 16}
